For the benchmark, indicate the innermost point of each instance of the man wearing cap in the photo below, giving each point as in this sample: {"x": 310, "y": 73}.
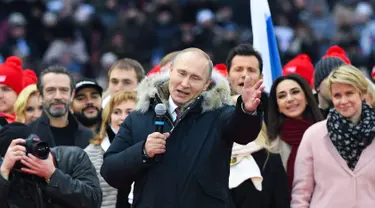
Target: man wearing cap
{"x": 334, "y": 57}
{"x": 86, "y": 105}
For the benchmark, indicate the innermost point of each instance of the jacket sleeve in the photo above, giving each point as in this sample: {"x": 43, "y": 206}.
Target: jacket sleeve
{"x": 123, "y": 162}
{"x": 4, "y": 191}
{"x": 241, "y": 127}
{"x": 303, "y": 184}
{"x": 280, "y": 191}
{"x": 80, "y": 188}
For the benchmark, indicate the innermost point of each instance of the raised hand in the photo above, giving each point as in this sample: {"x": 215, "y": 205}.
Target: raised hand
{"x": 251, "y": 95}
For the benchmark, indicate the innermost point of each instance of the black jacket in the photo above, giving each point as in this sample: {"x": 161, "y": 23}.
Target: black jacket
{"x": 82, "y": 135}
{"x": 274, "y": 192}
{"x": 194, "y": 171}
{"x": 74, "y": 184}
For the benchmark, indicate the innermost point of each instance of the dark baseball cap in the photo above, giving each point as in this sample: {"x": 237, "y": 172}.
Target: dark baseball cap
{"x": 88, "y": 83}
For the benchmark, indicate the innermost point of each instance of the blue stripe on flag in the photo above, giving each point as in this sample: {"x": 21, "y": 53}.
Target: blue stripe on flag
{"x": 273, "y": 50}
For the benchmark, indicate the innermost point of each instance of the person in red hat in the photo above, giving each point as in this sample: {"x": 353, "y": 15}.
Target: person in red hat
{"x": 301, "y": 65}
{"x": 29, "y": 77}
{"x": 337, "y": 51}
{"x": 222, "y": 69}
{"x": 11, "y": 84}
{"x": 333, "y": 58}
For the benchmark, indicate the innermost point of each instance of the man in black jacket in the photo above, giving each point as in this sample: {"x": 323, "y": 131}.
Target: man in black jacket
{"x": 202, "y": 126}
{"x": 57, "y": 125}
{"x": 66, "y": 178}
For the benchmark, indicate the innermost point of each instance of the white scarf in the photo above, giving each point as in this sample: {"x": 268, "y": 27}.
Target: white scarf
{"x": 243, "y": 166}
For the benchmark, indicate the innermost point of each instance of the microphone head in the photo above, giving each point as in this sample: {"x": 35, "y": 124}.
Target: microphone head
{"x": 160, "y": 109}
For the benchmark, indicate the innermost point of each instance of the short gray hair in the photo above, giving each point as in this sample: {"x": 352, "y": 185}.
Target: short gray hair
{"x": 199, "y": 51}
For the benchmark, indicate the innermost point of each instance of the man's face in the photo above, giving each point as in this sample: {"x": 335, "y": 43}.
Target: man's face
{"x": 241, "y": 67}
{"x": 122, "y": 79}
{"x": 7, "y": 98}
{"x": 57, "y": 94}
{"x": 189, "y": 76}
{"x": 86, "y": 106}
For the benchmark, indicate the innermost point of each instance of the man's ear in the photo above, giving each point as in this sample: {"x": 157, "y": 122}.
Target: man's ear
{"x": 170, "y": 67}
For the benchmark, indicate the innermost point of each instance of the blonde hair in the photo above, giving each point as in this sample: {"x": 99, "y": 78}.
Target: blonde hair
{"x": 21, "y": 102}
{"x": 168, "y": 58}
{"x": 199, "y": 52}
{"x": 371, "y": 91}
{"x": 116, "y": 99}
{"x": 348, "y": 74}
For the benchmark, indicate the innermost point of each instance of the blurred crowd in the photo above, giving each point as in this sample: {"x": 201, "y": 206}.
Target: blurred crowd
{"x": 87, "y": 37}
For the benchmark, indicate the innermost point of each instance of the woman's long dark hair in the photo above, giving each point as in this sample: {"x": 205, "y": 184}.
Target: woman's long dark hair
{"x": 276, "y": 119}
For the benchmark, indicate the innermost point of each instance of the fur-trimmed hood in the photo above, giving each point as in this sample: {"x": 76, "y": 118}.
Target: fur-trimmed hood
{"x": 216, "y": 96}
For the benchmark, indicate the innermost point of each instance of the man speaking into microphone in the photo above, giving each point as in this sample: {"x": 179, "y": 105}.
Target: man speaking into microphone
{"x": 187, "y": 165}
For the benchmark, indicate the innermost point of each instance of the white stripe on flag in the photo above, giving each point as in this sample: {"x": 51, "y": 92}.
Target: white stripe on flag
{"x": 264, "y": 41}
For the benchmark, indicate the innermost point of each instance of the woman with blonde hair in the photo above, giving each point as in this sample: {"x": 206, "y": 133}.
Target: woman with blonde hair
{"x": 28, "y": 105}
{"x": 115, "y": 112}
{"x": 335, "y": 163}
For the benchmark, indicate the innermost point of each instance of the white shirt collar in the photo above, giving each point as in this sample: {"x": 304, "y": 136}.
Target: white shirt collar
{"x": 171, "y": 108}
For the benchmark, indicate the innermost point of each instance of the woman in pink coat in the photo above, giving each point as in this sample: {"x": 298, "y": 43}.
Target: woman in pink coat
{"x": 335, "y": 163}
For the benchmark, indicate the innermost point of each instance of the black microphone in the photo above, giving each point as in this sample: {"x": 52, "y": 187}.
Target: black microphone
{"x": 160, "y": 110}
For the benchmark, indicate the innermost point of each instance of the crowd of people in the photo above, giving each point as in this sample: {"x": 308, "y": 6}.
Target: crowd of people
{"x": 184, "y": 125}
{"x": 225, "y": 143}
{"x": 92, "y": 35}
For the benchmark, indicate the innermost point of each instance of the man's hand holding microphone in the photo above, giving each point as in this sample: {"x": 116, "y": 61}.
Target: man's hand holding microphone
{"x": 156, "y": 142}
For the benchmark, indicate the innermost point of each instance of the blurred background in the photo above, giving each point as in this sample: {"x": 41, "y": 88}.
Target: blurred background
{"x": 88, "y": 36}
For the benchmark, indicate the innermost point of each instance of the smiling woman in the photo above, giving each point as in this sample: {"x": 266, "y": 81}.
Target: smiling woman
{"x": 28, "y": 106}
{"x": 348, "y": 87}
{"x": 339, "y": 148}
{"x": 292, "y": 109}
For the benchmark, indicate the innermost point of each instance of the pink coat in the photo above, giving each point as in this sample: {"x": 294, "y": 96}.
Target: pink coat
{"x": 322, "y": 178}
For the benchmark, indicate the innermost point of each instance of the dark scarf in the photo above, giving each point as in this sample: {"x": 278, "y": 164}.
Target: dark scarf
{"x": 349, "y": 139}
{"x": 111, "y": 135}
{"x": 291, "y": 132}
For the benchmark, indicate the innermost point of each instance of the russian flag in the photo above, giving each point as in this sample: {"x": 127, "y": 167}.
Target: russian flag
{"x": 264, "y": 41}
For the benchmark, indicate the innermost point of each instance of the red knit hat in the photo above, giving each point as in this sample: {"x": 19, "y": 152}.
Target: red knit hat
{"x": 11, "y": 73}
{"x": 301, "y": 65}
{"x": 154, "y": 70}
{"x": 29, "y": 77}
{"x": 222, "y": 69}
{"x": 337, "y": 51}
